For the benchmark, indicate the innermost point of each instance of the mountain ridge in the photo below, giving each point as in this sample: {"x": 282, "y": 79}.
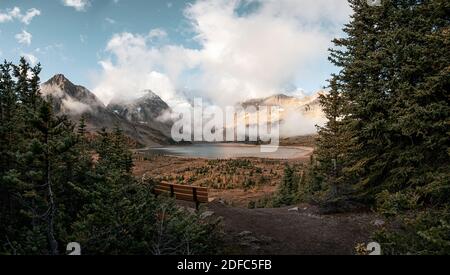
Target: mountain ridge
{"x": 76, "y": 101}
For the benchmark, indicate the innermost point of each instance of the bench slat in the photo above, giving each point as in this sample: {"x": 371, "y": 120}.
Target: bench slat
{"x": 185, "y": 197}
{"x": 190, "y": 198}
{"x": 185, "y": 191}
{"x": 199, "y": 196}
{"x": 183, "y": 187}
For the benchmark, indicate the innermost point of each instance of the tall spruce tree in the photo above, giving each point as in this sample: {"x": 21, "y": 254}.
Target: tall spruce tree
{"x": 393, "y": 81}
{"x": 333, "y": 146}
{"x": 288, "y": 191}
{"x": 393, "y": 87}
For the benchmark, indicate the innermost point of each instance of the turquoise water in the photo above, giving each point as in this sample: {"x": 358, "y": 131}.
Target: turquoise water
{"x": 226, "y": 151}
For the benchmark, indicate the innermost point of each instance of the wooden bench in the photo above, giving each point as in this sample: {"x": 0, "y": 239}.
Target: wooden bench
{"x": 183, "y": 192}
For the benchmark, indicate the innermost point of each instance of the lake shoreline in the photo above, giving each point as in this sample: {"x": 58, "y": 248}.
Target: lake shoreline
{"x": 211, "y": 151}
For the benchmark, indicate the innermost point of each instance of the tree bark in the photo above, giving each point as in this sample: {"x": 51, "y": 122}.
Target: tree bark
{"x": 51, "y": 215}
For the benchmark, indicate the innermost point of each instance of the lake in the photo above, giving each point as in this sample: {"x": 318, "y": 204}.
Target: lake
{"x": 228, "y": 151}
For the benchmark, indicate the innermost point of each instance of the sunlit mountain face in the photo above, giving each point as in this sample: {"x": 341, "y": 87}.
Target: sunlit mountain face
{"x": 297, "y": 115}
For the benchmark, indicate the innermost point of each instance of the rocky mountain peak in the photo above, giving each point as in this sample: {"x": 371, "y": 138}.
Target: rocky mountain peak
{"x": 59, "y": 80}
{"x": 61, "y": 87}
{"x": 76, "y": 101}
{"x": 143, "y": 110}
{"x": 149, "y": 94}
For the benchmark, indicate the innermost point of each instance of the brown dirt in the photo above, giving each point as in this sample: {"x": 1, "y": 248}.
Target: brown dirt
{"x": 241, "y": 197}
{"x": 284, "y": 232}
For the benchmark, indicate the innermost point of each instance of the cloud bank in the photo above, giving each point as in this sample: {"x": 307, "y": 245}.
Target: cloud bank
{"x": 15, "y": 13}
{"x": 78, "y": 5}
{"x": 246, "y": 49}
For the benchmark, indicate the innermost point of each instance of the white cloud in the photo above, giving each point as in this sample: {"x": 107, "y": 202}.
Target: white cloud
{"x": 24, "y": 37}
{"x": 157, "y": 33}
{"x": 5, "y": 17}
{"x": 134, "y": 69}
{"x": 15, "y": 13}
{"x": 69, "y": 104}
{"x": 31, "y": 13}
{"x": 52, "y": 90}
{"x": 75, "y": 107}
{"x": 49, "y": 49}
{"x": 78, "y": 5}
{"x": 242, "y": 53}
{"x": 33, "y": 60}
{"x": 110, "y": 20}
{"x": 9, "y": 15}
{"x": 296, "y": 123}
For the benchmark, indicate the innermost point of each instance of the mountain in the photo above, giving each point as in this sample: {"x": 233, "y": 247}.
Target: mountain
{"x": 284, "y": 101}
{"x": 146, "y": 110}
{"x": 298, "y": 116}
{"x": 308, "y": 105}
{"x": 76, "y": 101}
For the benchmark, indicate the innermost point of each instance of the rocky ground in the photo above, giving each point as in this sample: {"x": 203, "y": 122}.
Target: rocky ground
{"x": 298, "y": 230}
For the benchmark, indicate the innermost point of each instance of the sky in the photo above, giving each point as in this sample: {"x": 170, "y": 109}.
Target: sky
{"x": 221, "y": 50}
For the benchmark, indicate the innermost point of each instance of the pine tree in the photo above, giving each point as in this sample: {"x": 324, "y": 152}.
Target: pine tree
{"x": 395, "y": 111}
{"x": 288, "y": 191}
{"x": 333, "y": 146}
{"x": 82, "y": 127}
{"x": 8, "y": 138}
{"x": 38, "y": 167}
{"x": 124, "y": 217}
{"x": 395, "y": 105}
{"x": 8, "y": 118}
{"x": 56, "y": 186}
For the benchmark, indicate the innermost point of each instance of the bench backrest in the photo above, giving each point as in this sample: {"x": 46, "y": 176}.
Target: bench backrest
{"x": 183, "y": 192}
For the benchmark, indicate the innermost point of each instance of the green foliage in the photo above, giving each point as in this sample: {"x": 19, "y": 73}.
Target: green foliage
{"x": 288, "y": 192}
{"x": 265, "y": 202}
{"x": 57, "y": 186}
{"x": 422, "y": 233}
{"x": 131, "y": 221}
{"x": 392, "y": 204}
{"x": 249, "y": 184}
{"x": 386, "y": 143}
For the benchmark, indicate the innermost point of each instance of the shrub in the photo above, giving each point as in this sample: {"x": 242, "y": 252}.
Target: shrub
{"x": 423, "y": 233}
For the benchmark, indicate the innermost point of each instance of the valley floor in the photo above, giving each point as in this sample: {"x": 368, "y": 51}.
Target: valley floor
{"x": 281, "y": 231}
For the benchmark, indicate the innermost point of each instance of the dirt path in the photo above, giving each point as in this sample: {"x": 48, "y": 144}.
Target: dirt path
{"x": 284, "y": 232}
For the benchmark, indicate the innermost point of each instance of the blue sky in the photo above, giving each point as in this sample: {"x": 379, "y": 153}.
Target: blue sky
{"x": 212, "y": 48}
{"x": 76, "y": 39}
